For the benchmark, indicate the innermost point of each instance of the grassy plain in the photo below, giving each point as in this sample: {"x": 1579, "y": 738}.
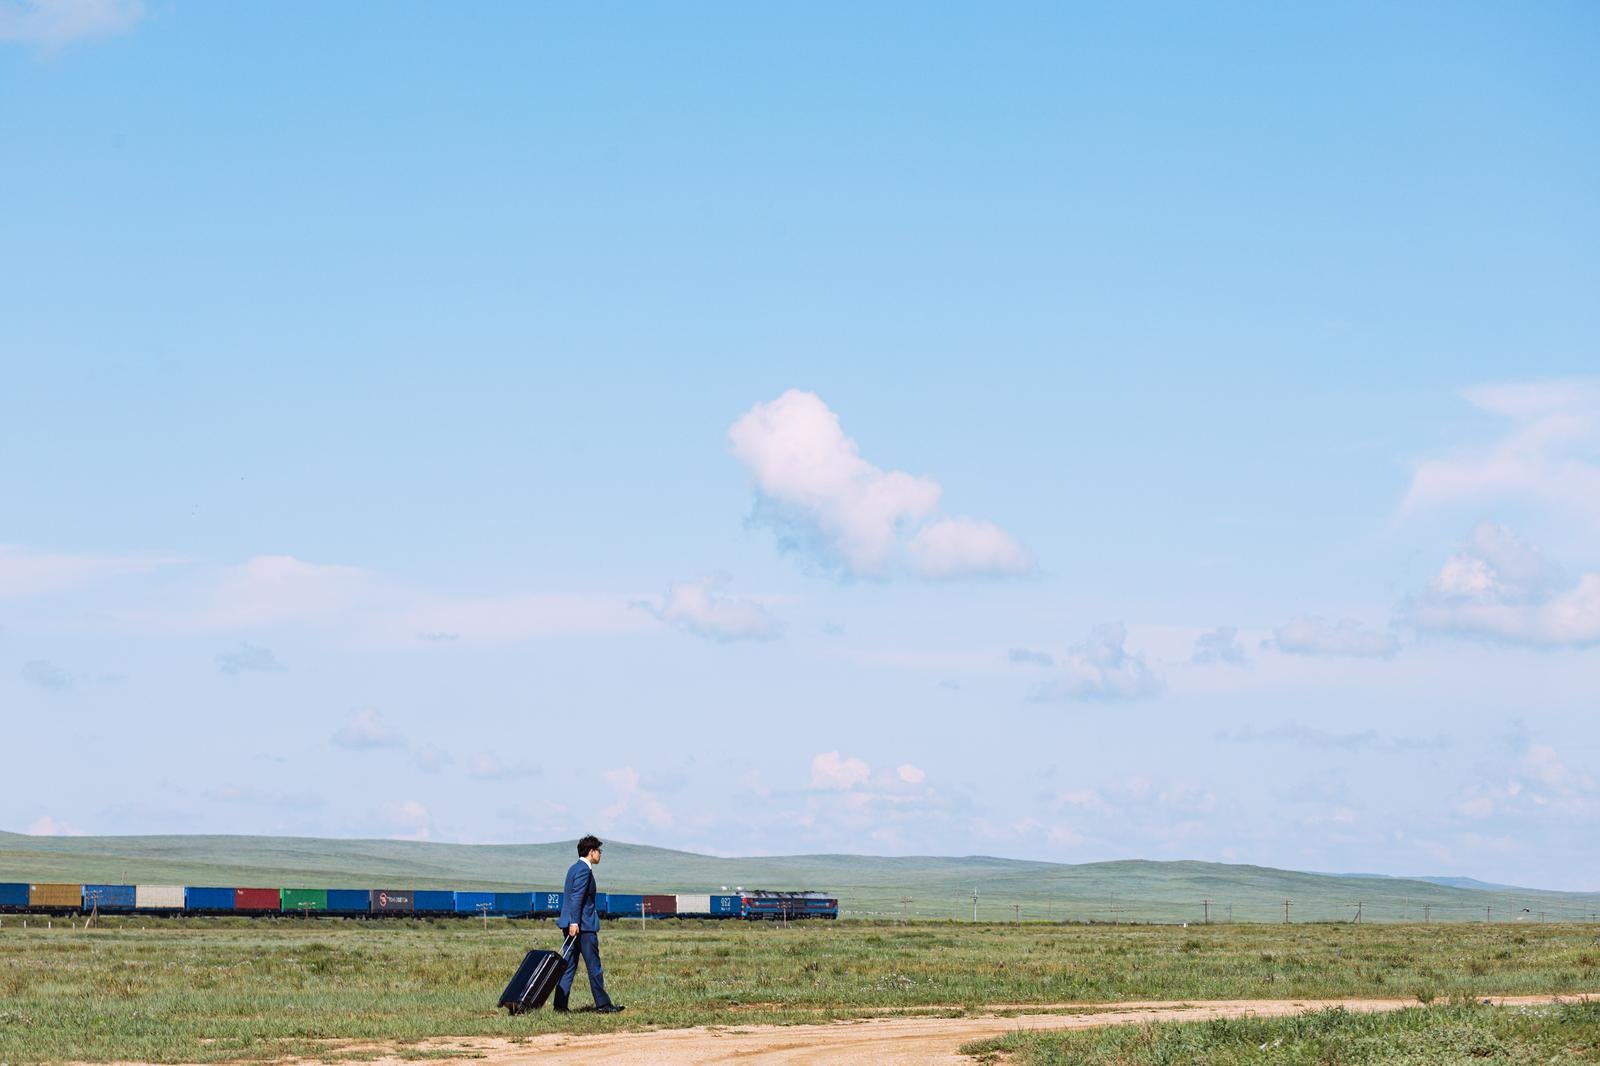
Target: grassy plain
{"x": 867, "y": 886}
{"x": 1461, "y": 1032}
{"x": 222, "y": 989}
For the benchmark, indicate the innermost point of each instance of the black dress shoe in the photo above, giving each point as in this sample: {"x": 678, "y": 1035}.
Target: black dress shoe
{"x": 609, "y": 1008}
{"x": 559, "y": 1009}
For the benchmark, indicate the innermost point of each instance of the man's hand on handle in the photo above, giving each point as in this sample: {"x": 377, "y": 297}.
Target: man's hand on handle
{"x": 572, "y": 930}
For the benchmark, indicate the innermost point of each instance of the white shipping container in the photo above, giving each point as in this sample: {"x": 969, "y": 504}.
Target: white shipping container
{"x": 158, "y": 897}
{"x": 694, "y": 904}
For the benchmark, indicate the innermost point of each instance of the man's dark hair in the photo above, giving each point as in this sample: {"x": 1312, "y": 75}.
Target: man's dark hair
{"x": 588, "y": 844}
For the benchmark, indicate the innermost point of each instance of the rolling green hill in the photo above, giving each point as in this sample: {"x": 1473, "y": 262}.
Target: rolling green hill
{"x": 867, "y": 886}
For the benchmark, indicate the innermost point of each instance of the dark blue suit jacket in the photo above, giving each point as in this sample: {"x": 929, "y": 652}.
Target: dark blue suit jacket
{"x": 577, "y": 900}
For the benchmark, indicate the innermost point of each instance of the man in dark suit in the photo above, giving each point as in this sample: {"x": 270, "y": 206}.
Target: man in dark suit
{"x": 579, "y": 919}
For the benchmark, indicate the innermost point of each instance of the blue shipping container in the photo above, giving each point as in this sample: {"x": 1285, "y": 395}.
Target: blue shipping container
{"x": 108, "y": 897}
{"x": 472, "y": 902}
{"x": 513, "y": 902}
{"x": 724, "y": 905}
{"x": 619, "y": 905}
{"x": 543, "y": 902}
{"x": 207, "y": 899}
{"x": 13, "y": 895}
{"x": 434, "y": 902}
{"x": 349, "y": 900}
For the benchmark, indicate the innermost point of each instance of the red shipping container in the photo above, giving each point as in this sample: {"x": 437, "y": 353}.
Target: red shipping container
{"x": 255, "y": 899}
{"x": 661, "y": 904}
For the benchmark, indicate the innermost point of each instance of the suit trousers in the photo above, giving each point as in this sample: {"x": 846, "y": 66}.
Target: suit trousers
{"x": 589, "y": 948}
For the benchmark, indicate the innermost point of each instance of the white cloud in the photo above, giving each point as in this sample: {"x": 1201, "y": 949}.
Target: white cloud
{"x": 1549, "y": 455}
{"x": 1101, "y": 668}
{"x": 430, "y": 758}
{"x": 1537, "y": 784}
{"x": 271, "y": 589}
{"x": 698, "y": 607}
{"x": 820, "y": 495}
{"x": 248, "y": 658}
{"x": 46, "y": 826}
{"x": 964, "y": 547}
{"x": 489, "y": 767}
{"x": 632, "y": 800}
{"x": 1030, "y": 657}
{"x": 365, "y": 731}
{"x": 409, "y": 819}
{"x": 24, "y": 573}
{"x": 911, "y": 775}
{"x": 55, "y": 22}
{"x": 828, "y": 770}
{"x": 1313, "y": 635}
{"x": 1220, "y": 645}
{"x": 1500, "y": 588}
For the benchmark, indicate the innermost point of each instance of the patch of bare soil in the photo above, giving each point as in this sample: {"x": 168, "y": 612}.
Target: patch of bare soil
{"x": 888, "y": 1041}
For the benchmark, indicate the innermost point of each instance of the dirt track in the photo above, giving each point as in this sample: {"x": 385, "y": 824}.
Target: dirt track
{"x": 890, "y": 1041}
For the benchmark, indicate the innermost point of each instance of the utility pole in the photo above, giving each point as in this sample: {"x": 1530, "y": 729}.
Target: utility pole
{"x": 1286, "y": 912}
{"x": 1206, "y": 903}
{"x": 1016, "y": 912}
{"x": 1487, "y": 910}
{"x": 483, "y": 911}
{"x": 974, "y": 902}
{"x": 1230, "y": 914}
{"x": 1357, "y": 906}
{"x": 905, "y": 909}
{"x": 1426, "y": 907}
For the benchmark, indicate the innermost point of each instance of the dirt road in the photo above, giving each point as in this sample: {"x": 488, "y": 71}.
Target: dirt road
{"x": 891, "y": 1041}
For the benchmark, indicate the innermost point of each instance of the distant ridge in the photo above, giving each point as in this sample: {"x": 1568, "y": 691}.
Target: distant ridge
{"x": 1448, "y": 882}
{"x": 867, "y": 886}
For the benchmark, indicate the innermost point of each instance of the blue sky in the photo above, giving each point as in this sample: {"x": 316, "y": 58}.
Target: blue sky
{"x": 1071, "y": 431}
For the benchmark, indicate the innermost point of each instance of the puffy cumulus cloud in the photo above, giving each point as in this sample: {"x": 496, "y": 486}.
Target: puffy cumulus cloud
{"x": 1101, "y": 668}
{"x": 821, "y": 497}
{"x": 52, "y": 23}
{"x": 248, "y": 658}
{"x": 1220, "y": 645}
{"x": 911, "y": 775}
{"x": 829, "y": 770}
{"x": 631, "y": 801}
{"x": 366, "y": 731}
{"x": 1549, "y": 454}
{"x": 24, "y": 573}
{"x": 962, "y": 547}
{"x": 1500, "y": 588}
{"x": 46, "y": 826}
{"x": 699, "y": 607}
{"x": 45, "y": 674}
{"x": 1029, "y": 657}
{"x": 1314, "y": 635}
{"x": 408, "y": 820}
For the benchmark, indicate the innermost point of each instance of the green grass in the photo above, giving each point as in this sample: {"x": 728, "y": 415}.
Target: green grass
{"x": 867, "y": 886}
{"x": 220, "y": 989}
{"x": 1463, "y": 1032}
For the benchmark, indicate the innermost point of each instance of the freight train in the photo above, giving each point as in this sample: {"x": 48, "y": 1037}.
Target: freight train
{"x": 158, "y": 900}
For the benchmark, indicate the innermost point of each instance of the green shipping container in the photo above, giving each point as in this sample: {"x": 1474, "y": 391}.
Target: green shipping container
{"x": 296, "y": 900}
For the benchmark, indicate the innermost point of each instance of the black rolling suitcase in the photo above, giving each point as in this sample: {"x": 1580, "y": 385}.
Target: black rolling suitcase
{"x": 535, "y": 979}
